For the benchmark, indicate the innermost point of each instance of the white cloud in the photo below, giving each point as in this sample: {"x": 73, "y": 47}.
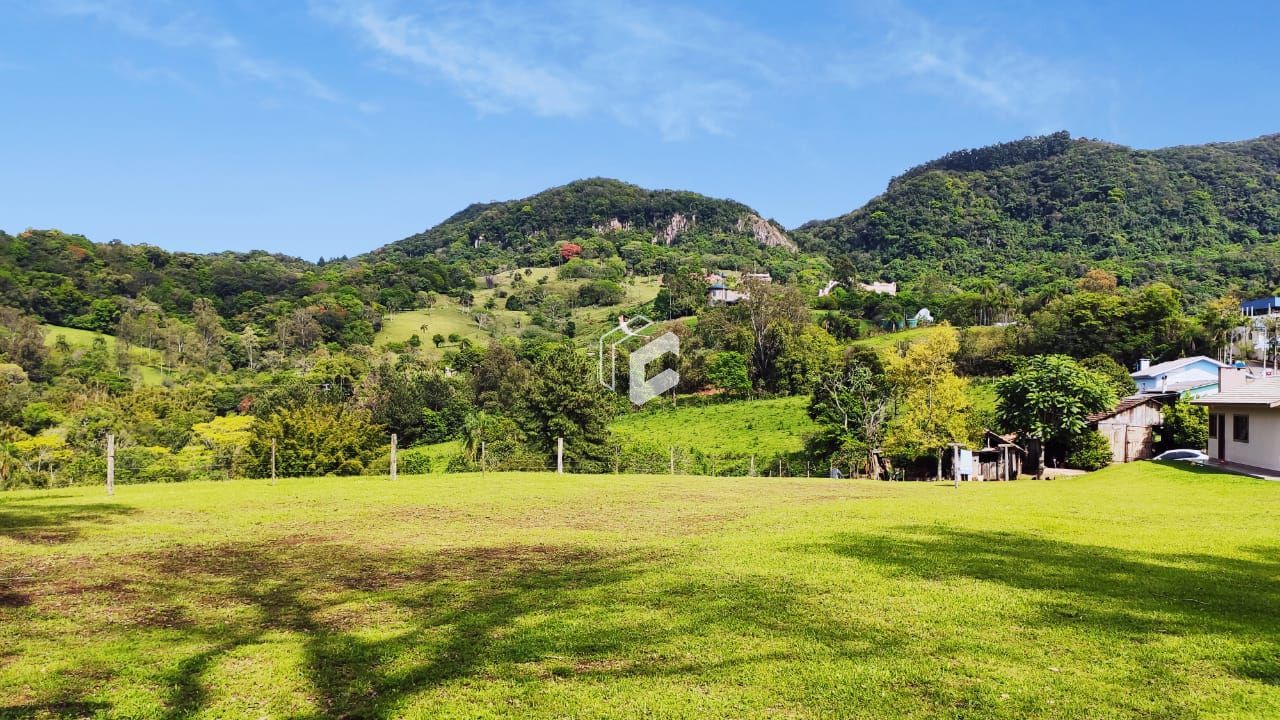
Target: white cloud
{"x": 189, "y": 31}
{"x": 678, "y": 71}
{"x": 953, "y": 63}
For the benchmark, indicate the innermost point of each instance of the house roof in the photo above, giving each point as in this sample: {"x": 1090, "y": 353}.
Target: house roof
{"x": 1185, "y": 385}
{"x": 1126, "y": 405}
{"x": 1174, "y": 365}
{"x": 995, "y": 440}
{"x": 1260, "y": 304}
{"x": 1264, "y": 392}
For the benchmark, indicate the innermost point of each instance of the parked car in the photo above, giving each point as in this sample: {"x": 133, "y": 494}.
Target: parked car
{"x": 1184, "y": 455}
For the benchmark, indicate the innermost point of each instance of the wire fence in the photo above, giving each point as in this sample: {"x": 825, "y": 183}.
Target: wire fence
{"x": 128, "y": 464}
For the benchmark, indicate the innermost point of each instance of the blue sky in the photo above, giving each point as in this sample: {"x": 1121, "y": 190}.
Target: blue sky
{"x": 334, "y": 126}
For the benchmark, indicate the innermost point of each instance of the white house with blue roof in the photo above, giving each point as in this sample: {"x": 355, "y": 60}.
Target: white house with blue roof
{"x": 1190, "y": 377}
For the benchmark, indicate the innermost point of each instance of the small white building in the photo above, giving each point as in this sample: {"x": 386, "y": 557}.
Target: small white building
{"x": 1190, "y": 377}
{"x": 1244, "y": 419}
{"x": 884, "y": 288}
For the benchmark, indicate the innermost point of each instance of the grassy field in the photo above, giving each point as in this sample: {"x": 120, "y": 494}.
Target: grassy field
{"x": 1142, "y": 591}
{"x": 893, "y": 340}
{"x": 447, "y": 316}
{"x": 146, "y": 361}
{"x": 766, "y": 427}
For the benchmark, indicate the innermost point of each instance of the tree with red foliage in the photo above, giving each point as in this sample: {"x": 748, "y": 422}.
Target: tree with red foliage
{"x": 569, "y": 251}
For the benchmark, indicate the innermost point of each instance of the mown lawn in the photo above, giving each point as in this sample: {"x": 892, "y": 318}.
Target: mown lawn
{"x": 1142, "y": 591}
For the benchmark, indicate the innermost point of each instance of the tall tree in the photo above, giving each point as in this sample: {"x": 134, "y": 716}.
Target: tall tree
{"x": 22, "y": 341}
{"x": 852, "y": 404}
{"x": 933, "y": 403}
{"x": 564, "y": 400}
{"x": 1049, "y": 398}
{"x": 772, "y": 313}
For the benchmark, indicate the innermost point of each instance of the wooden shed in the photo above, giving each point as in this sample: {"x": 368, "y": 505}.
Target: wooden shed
{"x": 1130, "y": 425}
{"x": 999, "y": 458}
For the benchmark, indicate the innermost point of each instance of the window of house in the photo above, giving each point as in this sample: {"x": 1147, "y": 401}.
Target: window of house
{"x": 1214, "y": 420}
{"x": 1240, "y": 428}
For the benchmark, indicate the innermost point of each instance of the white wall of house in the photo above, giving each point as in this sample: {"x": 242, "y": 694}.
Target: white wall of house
{"x": 1263, "y": 448}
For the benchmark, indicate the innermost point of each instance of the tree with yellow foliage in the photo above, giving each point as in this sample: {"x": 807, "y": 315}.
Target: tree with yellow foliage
{"x": 933, "y": 402}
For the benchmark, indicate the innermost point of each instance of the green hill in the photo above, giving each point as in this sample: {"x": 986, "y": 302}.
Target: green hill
{"x": 607, "y": 218}
{"x": 1038, "y": 212}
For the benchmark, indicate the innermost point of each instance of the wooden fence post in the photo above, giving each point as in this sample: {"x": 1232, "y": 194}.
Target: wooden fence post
{"x": 752, "y": 471}
{"x": 393, "y": 456}
{"x": 559, "y": 456}
{"x": 483, "y": 457}
{"x": 111, "y": 464}
{"x": 273, "y": 461}
{"x": 672, "y": 452}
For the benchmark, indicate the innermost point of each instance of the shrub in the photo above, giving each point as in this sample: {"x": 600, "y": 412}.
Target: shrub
{"x": 600, "y": 292}
{"x": 1185, "y": 426}
{"x": 1090, "y": 451}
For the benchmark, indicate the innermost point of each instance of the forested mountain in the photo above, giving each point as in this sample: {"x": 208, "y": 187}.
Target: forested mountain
{"x": 66, "y": 279}
{"x": 1039, "y": 212}
{"x": 605, "y": 218}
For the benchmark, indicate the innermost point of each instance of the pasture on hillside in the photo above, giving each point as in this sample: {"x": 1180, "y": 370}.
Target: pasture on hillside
{"x": 448, "y": 317}
{"x": 765, "y": 427}
{"x": 1141, "y": 591}
{"x": 147, "y": 363}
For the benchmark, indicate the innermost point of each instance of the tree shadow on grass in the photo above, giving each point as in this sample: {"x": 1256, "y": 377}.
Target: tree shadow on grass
{"x": 479, "y": 612}
{"x": 379, "y": 629}
{"x": 53, "y": 524}
{"x": 1123, "y": 593}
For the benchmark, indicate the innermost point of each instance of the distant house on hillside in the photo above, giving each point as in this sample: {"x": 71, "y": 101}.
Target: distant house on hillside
{"x": 1191, "y": 377}
{"x": 884, "y": 288}
{"x": 1260, "y": 307}
{"x": 1244, "y": 419}
{"x": 719, "y": 294}
{"x": 758, "y": 277}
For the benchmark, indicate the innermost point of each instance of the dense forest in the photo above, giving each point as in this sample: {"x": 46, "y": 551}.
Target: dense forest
{"x": 1037, "y": 213}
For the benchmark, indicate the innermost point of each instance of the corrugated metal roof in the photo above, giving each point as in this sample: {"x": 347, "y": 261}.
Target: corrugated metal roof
{"x": 1124, "y": 405}
{"x": 1260, "y": 304}
{"x": 1264, "y": 392}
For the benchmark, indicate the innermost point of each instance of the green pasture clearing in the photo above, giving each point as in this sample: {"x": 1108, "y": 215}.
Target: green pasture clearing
{"x": 888, "y": 342}
{"x": 146, "y": 361}
{"x": 1141, "y": 591}
{"x": 765, "y": 427}
{"x": 447, "y": 316}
